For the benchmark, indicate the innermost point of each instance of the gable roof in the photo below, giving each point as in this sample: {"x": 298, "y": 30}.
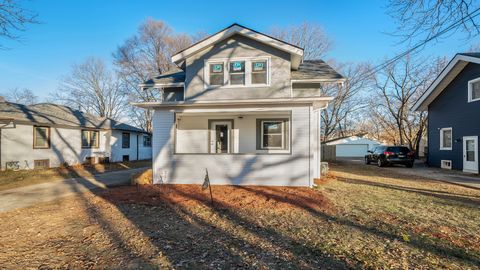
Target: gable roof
{"x": 450, "y": 72}
{"x": 315, "y": 71}
{"x": 295, "y": 51}
{"x": 58, "y": 115}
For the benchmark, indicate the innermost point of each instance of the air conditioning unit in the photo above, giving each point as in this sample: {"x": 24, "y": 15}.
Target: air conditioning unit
{"x": 446, "y": 164}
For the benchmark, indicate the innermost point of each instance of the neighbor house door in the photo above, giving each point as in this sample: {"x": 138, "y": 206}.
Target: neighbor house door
{"x": 220, "y": 140}
{"x": 470, "y": 154}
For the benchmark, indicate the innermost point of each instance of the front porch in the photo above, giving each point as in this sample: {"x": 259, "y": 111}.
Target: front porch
{"x": 276, "y": 146}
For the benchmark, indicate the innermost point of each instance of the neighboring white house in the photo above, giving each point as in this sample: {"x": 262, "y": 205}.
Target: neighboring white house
{"x": 353, "y": 146}
{"x": 49, "y": 135}
{"x": 243, "y": 105}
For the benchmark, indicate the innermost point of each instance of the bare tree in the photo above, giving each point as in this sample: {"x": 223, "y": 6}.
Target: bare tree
{"x": 425, "y": 19}
{"x": 339, "y": 117}
{"x": 309, "y": 36}
{"x": 143, "y": 56}
{"x": 14, "y": 18}
{"x": 398, "y": 87}
{"x": 92, "y": 88}
{"x": 22, "y": 96}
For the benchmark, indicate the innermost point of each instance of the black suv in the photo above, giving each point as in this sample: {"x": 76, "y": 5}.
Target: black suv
{"x": 389, "y": 155}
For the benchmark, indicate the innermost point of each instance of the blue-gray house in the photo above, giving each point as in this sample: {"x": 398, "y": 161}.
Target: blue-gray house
{"x": 453, "y": 105}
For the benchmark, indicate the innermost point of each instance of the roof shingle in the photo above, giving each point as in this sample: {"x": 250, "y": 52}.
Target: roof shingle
{"x": 315, "y": 70}
{"x": 53, "y": 114}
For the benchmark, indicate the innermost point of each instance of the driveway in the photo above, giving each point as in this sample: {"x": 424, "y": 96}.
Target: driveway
{"x": 31, "y": 195}
{"x": 454, "y": 177}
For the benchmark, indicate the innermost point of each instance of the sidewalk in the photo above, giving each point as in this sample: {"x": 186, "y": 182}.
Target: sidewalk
{"x": 30, "y": 195}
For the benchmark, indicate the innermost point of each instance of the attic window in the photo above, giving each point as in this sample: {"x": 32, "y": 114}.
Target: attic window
{"x": 216, "y": 74}
{"x": 474, "y": 90}
{"x": 237, "y": 72}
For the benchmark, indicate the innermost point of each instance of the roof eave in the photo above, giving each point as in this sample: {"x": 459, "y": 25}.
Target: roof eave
{"x": 296, "y": 52}
{"x": 425, "y": 100}
{"x": 275, "y": 101}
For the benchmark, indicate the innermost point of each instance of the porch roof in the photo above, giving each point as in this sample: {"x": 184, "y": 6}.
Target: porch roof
{"x": 316, "y": 101}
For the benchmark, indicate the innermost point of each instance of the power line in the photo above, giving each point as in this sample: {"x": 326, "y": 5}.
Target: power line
{"x": 422, "y": 43}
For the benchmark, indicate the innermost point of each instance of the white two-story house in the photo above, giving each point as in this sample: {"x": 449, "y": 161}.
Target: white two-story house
{"x": 243, "y": 105}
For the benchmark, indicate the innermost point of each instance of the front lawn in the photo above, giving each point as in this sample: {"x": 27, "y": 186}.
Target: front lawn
{"x": 13, "y": 179}
{"x": 359, "y": 217}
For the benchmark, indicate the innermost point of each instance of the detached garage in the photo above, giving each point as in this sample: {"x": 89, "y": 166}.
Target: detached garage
{"x": 352, "y": 146}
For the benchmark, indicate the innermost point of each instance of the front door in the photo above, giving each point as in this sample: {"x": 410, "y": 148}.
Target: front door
{"x": 220, "y": 137}
{"x": 470, "y": 154}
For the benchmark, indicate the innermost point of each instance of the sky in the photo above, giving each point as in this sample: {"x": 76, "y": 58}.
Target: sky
{"x": 71, "y": 31}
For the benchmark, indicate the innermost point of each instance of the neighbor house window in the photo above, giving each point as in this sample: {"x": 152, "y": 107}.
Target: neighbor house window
{"x": 41, "y": 137}
{"x": 237, "y": 72}
{"x": 259, "y": 72}
{"x": 147, "y": 141}
{"x": 446, "y": 139}
{"x": 90, "y": 139}
{"x": 216, "y": 74}
{"x": 474, "y": 90}
{"x": 272, "y": 134}
{"x": 125, "y": 140}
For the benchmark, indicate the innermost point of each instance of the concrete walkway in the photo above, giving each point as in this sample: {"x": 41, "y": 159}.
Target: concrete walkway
{"x": 420, "y": 170}
{"x": 454, "y": 177}
{"x": 30, "y": 195}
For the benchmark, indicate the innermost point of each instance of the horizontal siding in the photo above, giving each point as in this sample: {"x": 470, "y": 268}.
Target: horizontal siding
{"x": 452, "y": 109}
{"x": 291, "y": 169}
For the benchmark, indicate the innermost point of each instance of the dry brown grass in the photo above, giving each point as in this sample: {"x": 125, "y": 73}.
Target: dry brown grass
{"x": 142, "y": 178}
{"x": 14, "y": 179}
{"x": 358, "y": 217}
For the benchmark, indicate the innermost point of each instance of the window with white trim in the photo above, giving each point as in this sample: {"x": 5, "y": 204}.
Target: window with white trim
{"x": 446, "y": 139}
{"x": 237, "y": 72}
{"x": 259, "y": 72}
{"x": 216, "y": 71}
{"x": 474, "y": 90}
{"x": 273, "y": 134}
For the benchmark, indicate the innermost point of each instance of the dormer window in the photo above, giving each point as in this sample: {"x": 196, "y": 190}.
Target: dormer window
{"x": 237, "y": 72}
{"x": 474, "y": 90}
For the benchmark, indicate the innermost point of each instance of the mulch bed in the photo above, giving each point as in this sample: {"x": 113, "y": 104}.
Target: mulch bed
{"x": 235, "y": 197}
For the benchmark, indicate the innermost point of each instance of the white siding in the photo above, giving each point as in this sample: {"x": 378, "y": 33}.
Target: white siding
{"x": 17, "y": 145}
{"x": 65, "y": 147}
{"x": 118, "y": 152}
{"x": 291, "y": 169}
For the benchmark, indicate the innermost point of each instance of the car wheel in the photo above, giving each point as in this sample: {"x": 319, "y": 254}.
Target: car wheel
{"x": 367, "y": 161}
{"x": 380, "y": 163}
{"x": 409, "y": 165}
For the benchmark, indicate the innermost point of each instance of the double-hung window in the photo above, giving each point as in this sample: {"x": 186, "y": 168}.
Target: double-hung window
{"x": 90, "y": 139}
{"x": 147, "y": 141}
{"x": 259, "y": 72}
{"x": 125, "y": 140}
{"x": 474, "y": 90}
{"x": 216, "y": 71}
{"x": 446, "y": 139}
{"x": 41, "y": 137}
{"x": 237, "y": 73}
{"x": 272, "y": 134}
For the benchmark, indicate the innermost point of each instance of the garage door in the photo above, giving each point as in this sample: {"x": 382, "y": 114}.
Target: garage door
{"x": 351, "y": 150}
